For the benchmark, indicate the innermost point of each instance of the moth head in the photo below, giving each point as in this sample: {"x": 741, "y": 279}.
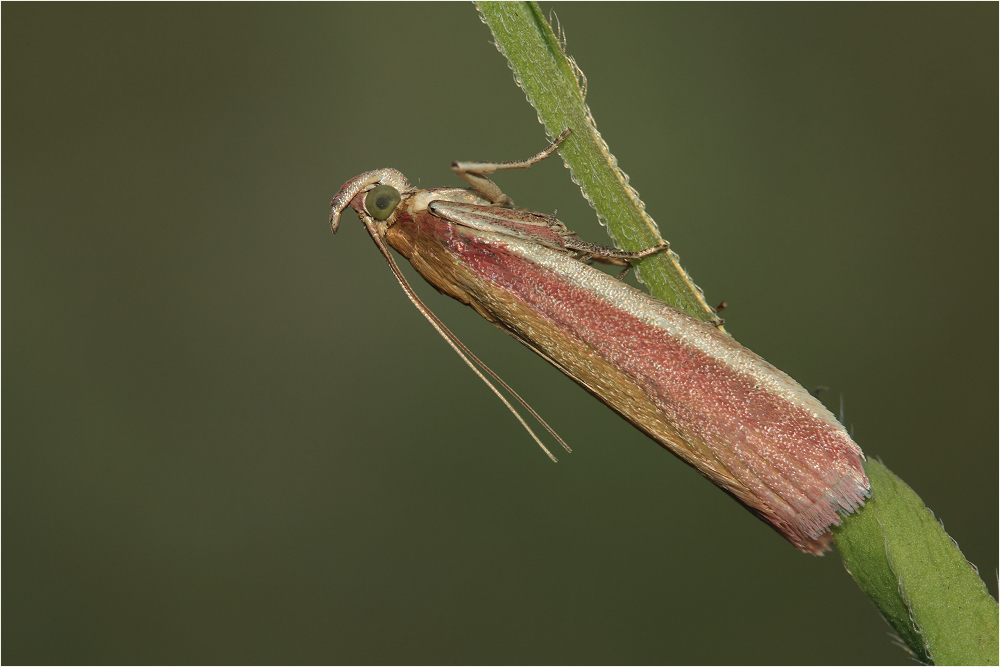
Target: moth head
{"x": 373, "y": 194}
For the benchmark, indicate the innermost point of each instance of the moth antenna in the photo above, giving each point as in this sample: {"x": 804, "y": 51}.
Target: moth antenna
{"x": 465, "y": 353}
{"x": 502, "y": 383}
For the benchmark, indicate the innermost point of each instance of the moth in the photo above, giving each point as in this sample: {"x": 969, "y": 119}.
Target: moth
{"x": 738, "y": 420}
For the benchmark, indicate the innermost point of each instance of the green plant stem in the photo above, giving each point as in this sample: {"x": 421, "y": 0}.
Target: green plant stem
{"x": 894, "y": 548}
{"x": 913, "y": 571}
{"x": 555, "y": 87}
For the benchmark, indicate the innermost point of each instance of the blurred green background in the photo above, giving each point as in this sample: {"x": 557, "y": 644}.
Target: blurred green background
{"x": 230, "y": 438}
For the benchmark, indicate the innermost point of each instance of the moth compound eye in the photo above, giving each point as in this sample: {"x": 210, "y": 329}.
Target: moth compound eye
{"x": 382, "y": 201}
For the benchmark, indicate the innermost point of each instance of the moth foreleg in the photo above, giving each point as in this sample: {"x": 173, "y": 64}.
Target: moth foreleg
{"x": 476, "y": 173}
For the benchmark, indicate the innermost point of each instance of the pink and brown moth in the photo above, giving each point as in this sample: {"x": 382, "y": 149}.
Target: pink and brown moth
{"x": 737, "y": 419}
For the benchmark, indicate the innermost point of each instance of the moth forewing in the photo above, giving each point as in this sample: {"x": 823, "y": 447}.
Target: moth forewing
{"x": 739, "y": 421}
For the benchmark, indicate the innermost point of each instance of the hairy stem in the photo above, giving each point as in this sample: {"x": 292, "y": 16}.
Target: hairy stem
{"x": 555, "y": 86}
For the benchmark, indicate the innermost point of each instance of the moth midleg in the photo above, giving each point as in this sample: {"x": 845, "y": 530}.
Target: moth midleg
{"x": 600, "y": 253}
{"x": 475, "y": 173}
{"x": 605, "y": 255}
